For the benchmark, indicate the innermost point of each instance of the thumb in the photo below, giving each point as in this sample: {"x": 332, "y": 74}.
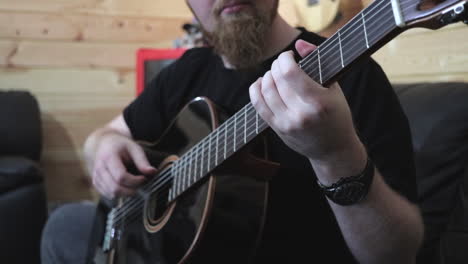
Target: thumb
{"x": 304, "y": 48}
{"x": 140, "y": 160}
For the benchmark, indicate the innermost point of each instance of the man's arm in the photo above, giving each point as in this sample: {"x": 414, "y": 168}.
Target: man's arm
{"x": 384, "y": 227}
{"x": 107, "y": 150}
{"x": 317, "y": 122}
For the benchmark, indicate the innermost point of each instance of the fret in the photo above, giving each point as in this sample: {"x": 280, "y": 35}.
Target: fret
{"x": 217, "y": 141}
{"x": 225, "y": 139}
{"x": 174, "y": 171}
{"x": 190, "y": 161}
{"x": 235, "y": 128}
{"x": 380, "y": 25}
{"x": 353, "y": 40}
{"x": 252, "y": 130}
{"x": 319, "y": 65}
{"x": 365, "y": 29}
{"x": 341, "y": 49}
{"x": 195, "y": 162}
{"x": 208, "y": 164}
{"x": 310, "y": 65}
{"x": 245, "y": 124}
{"x": 186, "y": 170}
{"x": 182, "y": 181}
{"x": 256, "y": 122}
{"x": 329, "y": 58}
{"x": 202, "y": 157}
{"x": 175, "y": 185}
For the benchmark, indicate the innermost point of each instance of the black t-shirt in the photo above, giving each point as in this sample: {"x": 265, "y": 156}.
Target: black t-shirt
{"x": 300, "y": 225}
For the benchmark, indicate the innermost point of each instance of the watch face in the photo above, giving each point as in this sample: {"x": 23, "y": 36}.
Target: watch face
{"x": 349, "y": 193}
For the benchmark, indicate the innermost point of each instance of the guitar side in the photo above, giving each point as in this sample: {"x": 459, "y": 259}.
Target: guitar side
{"x": 219, "y": 219}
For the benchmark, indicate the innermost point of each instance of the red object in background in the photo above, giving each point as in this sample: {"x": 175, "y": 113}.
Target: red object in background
{"x": 150, "y": 61}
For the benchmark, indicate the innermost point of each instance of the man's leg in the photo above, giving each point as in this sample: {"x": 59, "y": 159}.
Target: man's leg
{"x": 67, "y": 233}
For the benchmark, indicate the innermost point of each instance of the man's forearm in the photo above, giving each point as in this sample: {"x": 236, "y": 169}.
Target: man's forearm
{"x": 382, "y": 228}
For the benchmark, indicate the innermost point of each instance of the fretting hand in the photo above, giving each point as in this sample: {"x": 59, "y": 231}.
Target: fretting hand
{"x": 313, "y": 120}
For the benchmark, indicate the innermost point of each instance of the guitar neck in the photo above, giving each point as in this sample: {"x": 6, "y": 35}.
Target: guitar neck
{"x": 362, "y": 35}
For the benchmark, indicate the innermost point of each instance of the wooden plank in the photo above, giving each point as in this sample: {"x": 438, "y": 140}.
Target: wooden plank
{"x": 426, "y": 54}
{"x": 454, "y": 77}
{"x": 65, "y": 180}
{"x": 70, "y": 54}
{"x": 74, "y": 95}
{"x": 115, "y": 7}
{"x": 7, "y": 50}
{"x": 58, "y": 26}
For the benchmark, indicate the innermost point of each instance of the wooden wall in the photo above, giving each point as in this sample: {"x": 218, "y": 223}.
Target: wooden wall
{"x": 422, "y": 55}
{"x": 77, "y": 57}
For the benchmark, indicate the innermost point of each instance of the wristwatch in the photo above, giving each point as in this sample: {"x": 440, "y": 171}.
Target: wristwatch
{"x": 350, "y": 190}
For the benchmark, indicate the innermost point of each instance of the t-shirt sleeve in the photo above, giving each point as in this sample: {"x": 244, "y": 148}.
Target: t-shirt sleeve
{"x": 382, "y": 126}
{"x": 145, "y": 115}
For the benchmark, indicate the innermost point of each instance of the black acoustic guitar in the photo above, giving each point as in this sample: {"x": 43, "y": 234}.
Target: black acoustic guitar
{"x": 207, "y": 204}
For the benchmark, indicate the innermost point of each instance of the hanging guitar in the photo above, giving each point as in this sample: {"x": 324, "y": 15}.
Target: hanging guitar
{"x": 191, "y": 211}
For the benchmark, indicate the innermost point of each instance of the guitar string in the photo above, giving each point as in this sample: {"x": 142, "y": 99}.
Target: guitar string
{"x": 333, "y": 61}
{"x": 165, "y": 174}
{"x": 154, "y": 180}
{"x": 156, "y": 183}
{"x": 350, "y": 25}
{"x": 332, "y": 39}
{"x": 372, "y": 38}
{"x": 353, "y": 22}
{"x": 136, "y": 210}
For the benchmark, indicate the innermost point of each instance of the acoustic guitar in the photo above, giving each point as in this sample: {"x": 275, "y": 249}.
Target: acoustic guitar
{"x": 191, "y": 211}
{"x": 326, "y": 16}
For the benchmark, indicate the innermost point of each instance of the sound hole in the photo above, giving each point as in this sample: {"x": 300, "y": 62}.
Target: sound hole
{"x": 157, "y": 206}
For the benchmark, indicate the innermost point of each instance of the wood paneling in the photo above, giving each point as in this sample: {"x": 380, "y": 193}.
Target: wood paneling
{"x": 109, "y": 29}
{"x": 70, "y": 54}
{"x": 78, "y": 57}
{"x": 426, "y": 55}
{"x": 150, "y": 8}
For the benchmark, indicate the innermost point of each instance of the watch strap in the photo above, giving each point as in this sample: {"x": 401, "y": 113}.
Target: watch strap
{"x": 350, "y": 190}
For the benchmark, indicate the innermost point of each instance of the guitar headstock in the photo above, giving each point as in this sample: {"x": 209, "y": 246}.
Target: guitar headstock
{"x": 432, "y": 14}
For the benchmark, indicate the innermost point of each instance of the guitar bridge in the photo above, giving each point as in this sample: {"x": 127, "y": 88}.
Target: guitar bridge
{"x": 111, "y": 233}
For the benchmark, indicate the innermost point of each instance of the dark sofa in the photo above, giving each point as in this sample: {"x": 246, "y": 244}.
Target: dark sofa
{"x": 23, "y": 209}
{"x": 438, "y": 116}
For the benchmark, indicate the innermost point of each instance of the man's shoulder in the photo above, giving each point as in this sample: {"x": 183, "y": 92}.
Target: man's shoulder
{"x": 190, "y": 62}
{"x": 197, "y": 55}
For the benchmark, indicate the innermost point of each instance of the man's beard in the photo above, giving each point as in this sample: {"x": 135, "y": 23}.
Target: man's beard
{"x": 241, "y": 38}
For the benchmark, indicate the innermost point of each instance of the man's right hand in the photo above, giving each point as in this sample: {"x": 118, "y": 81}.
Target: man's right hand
{"x": 112, "y": 152}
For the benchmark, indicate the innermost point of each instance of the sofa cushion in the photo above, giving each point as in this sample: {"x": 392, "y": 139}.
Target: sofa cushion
{"x": 16, "y": 172}
{"x": 20, "y": 125}
{"x": 438, "y": 116}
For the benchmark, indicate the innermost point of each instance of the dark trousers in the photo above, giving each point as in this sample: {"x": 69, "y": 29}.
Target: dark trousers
{"x": 67, "y": 233}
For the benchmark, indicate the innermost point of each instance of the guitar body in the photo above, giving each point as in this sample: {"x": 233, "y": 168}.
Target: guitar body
{"x": 218, "y": 220}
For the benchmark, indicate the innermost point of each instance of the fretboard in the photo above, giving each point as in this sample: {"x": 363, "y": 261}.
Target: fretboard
{"x": 364, "y": 33}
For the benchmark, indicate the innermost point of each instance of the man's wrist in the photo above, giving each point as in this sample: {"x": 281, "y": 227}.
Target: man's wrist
{"x": 352, "y": 189}
{"x": 350, "y": 162}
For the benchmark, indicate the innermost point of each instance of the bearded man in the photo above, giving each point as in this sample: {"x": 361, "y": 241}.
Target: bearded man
{"x": 352, "y": 130}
